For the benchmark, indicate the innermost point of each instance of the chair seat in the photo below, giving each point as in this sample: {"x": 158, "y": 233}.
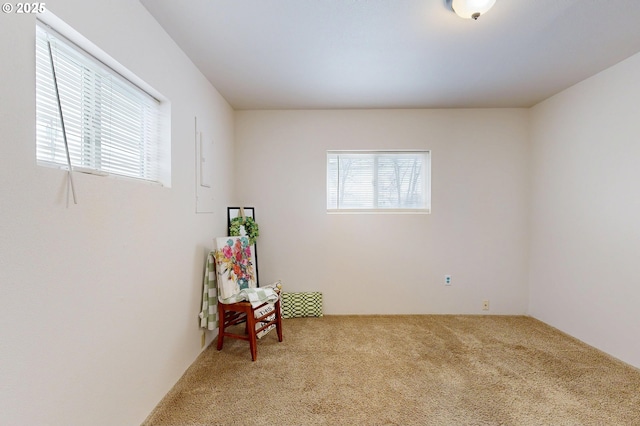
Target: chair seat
{"x": 230, "y": 314}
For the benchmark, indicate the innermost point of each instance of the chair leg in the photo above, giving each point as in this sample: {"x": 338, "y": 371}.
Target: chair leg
{"x": 221, "y": 321}
{"x": 278, "y": 320}
{"x": 251, "y": 331}
{"x": 244, "y": 312}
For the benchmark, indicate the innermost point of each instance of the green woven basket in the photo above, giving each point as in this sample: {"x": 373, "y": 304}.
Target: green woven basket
{"x": 308, "y": 304}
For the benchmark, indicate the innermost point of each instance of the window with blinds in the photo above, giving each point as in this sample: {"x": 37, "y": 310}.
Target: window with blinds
{"x": 112, "y": 126}
{"x": 378, "y": 181}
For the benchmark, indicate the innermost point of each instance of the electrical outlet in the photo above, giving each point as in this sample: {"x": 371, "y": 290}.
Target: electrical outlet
{"x": 447, "y": 280}
{"x": 485, "y": 305}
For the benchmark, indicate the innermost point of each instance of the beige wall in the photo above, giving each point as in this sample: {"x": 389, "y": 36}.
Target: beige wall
{"x": 394, "y": 264}
{"x": 585, "y": 268}
{"x": 535, "y": 210}
{"x": 99, "y": 301}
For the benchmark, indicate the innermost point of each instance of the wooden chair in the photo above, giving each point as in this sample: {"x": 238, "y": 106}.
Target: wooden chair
{"x": 230, "y": 314}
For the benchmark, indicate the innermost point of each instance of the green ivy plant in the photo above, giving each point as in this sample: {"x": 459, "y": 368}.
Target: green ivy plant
{"x": 250, "y": 227}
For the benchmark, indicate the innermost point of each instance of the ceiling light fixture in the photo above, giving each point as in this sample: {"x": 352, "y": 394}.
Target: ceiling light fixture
{"x": 471, "y": 9}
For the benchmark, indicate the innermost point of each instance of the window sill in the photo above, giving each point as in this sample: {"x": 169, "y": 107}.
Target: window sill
{"x": 378, "y": 211}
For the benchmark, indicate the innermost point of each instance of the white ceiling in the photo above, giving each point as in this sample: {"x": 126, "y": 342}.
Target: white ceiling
{"x": 267, "y": 54}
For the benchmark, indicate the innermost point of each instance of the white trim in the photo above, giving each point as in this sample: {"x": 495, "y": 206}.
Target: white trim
{"x": 379, "y": 211}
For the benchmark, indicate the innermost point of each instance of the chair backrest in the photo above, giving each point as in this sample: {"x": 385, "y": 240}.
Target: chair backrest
{"x": 235, "y": 267}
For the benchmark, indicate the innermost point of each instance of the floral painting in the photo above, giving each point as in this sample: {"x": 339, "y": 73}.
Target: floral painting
{"x": 234, "y": 265}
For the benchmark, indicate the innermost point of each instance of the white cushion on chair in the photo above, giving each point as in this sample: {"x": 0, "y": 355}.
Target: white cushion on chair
{"x": 256, "y": 296}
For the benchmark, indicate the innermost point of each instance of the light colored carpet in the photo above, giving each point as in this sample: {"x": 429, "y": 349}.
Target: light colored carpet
{"x": 406, "y": 370}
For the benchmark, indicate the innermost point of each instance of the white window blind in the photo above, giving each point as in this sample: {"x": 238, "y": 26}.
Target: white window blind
{"x": 112, "y": 126}
{"x": 378, "y": 181}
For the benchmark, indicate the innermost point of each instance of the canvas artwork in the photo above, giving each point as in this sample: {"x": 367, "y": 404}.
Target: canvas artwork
{"x": 234, "y": 265}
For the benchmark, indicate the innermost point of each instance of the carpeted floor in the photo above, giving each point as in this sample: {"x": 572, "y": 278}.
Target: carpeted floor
{"x": 406, "y": 370}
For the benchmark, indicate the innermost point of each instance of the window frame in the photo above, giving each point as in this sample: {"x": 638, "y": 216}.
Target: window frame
{"x": 377, "y": 154}
{"x": 156, "y": 138}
